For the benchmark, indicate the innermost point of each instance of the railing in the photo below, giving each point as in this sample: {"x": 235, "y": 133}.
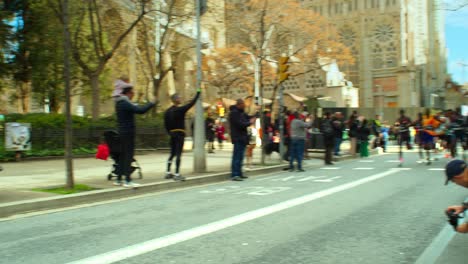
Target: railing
{"x": 52, "y": 138}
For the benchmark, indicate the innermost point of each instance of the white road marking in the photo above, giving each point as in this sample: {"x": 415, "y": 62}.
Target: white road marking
{"x": 162, "y": 242}
{"x": 438, "y": 245}
{"x": 366, "y": 161}
{"x": 310, "y": 178}
{"x": 436, "y": 169}
{"x": 363, "y": 168}
{"x": 287, "y": 178}
{"x": 330, "y": 168}
{"x": 393, "y": 161}
{"x": 328, "y": 180}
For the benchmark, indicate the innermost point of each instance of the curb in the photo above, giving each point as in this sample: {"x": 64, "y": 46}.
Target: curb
{"x": 56, "y": 202}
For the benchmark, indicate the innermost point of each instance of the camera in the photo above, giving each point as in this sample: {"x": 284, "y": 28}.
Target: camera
{"x": 454, "y": 217}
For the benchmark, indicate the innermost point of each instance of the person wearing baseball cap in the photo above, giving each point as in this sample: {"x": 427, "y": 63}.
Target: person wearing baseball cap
{"x": 457, "y": 172}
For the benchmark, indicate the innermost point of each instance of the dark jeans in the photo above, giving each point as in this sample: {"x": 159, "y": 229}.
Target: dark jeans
{"x": 337, "y": 145}
{"x": 177, "y": 146}
{"x": 297, "y": 152}
{"x": 127, "y": 149}
{"x": 237, "y": 158}
{"x": 329, "y": 146}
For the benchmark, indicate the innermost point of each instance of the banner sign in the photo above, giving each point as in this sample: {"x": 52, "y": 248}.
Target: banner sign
{"x": 17, "y": 136}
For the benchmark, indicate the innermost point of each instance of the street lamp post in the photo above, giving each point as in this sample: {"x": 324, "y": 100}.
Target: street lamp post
{"x": 255, "y": 61}
{"x": 258, "y": 100}
{"x": 199, "y": 157}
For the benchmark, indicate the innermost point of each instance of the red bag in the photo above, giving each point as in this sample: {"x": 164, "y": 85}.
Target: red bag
{"x": 102, "y": 152}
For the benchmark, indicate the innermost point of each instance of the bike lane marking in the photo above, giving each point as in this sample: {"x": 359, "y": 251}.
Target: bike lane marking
{"x": 162, "y": 242}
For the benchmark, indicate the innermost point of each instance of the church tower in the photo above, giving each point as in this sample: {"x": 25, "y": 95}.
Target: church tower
{"x": 398, "y": 45}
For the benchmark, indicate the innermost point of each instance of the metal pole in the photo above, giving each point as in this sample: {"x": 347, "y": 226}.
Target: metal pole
{"x": 199, "y": 158}
{"x": 257, "y": 80}
{"x": 281, "y": 122}
{"x": 157, "y": 33}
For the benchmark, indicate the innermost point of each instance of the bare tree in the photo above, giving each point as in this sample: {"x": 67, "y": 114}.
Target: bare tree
{"x": 167, "y": 17}
{"x": 90, "y": 48}
{"x": 274, "y": 28}
{"x": 455, "y": 5}
{"x": 66, "y": 74}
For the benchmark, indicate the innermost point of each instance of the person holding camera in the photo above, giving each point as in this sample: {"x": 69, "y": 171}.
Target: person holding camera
{"x": 457, "y": 172}
{"x": 239, "y": 121}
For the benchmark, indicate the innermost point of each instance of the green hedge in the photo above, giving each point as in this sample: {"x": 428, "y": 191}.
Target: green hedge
{"x": 48, "y": 133}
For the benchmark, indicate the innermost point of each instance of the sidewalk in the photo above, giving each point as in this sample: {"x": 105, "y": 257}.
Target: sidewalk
{"x": 18, "y": 179}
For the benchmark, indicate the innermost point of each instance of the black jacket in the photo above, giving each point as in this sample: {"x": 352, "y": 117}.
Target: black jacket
{"x": 174, "y": 117}
{"x": 126, "y": 111}
{"x": 353, "y": 127}
{"x": 338, "y": 127}
{"x": 238, "y": 121}
{"x": 363, "y": 132}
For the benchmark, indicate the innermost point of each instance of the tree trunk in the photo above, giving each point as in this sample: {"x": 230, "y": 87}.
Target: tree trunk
{"x": 67, "y": 78}
{"x": 156, "y": 84}
{"x": 94, "y": 78}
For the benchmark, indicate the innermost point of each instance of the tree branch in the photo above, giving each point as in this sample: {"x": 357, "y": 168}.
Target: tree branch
{"x": 93, "y": 28}
{"x": 100, "y": 28}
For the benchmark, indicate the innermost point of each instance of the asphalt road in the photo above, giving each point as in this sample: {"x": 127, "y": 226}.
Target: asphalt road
{"x": 360, "y": 211}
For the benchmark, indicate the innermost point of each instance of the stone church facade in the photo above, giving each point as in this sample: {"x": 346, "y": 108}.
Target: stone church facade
{"x": 398, "y": 45}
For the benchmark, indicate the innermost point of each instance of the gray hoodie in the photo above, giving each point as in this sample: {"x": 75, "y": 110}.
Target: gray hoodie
{"x": 298, "y": 129}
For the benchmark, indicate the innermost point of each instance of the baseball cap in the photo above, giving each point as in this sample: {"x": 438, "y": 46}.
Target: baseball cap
{"x": 454, "y": 168}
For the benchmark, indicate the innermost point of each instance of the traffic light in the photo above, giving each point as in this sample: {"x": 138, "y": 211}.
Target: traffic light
{"x": 282, "y": 69}
{"x": 221, "y": 112}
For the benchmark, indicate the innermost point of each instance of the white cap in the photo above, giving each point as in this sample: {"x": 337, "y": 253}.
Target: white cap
{"x": 119, "y": 86}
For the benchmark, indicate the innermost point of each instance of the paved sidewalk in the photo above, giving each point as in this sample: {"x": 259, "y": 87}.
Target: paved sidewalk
{"x": 19, "y": 178}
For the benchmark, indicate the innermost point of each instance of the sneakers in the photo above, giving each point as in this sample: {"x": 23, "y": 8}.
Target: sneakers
{"x": 117, "y": 183}
{"x": 131, "y": 185}
{"x": 291, "y": 169}
{"x": 169, "y": 175}
{"x": 300, "y": 170}
{"x": 178, "y": 177}
{"x": 237, "y": 178}
{"x": 244, "y": 177}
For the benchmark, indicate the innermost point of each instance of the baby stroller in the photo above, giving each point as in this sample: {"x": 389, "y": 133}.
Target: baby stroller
{"x": 112, "y": 140}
